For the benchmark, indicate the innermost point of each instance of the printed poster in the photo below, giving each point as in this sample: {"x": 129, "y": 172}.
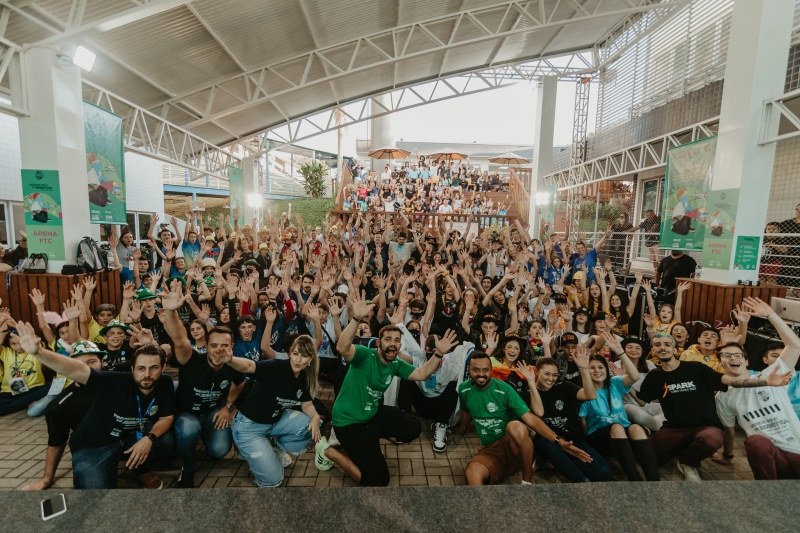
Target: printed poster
{"x": 105, "y": 165}
{"x": 41, "y": 193}
{"x": 690, "y": 168}
{"x": 720, "y": 225}
{"x": 746, "y": 257}
{"x": 236, "y": 188}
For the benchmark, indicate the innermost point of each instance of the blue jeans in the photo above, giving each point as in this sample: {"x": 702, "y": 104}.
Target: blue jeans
{"x": 575, "y": 469}
{"x": 189, "y": 427}
{"x": 291, "y": 433}
{"x": 35, "y": 400}
{"x": 96, "y": 468}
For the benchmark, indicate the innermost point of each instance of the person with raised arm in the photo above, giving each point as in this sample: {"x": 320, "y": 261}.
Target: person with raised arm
{"x": 692, "y": 431}
{"x": 765, "y": 414}
{"x": 359, "y": 417}
{"x": 131, "y": 415}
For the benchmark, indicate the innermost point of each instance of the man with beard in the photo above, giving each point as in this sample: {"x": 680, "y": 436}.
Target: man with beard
{"x": 207, "y": 390}
{"x": 131, "y": 415}
{"x": 692, "y": 430}
{"x": 675, "y": 265}
{"x": 359, "y": 418}
{"x": 766, "y": 415}
{"x": 502, "y": 419}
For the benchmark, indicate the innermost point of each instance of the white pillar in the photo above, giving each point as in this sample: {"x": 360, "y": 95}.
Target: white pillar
{"x": 52, "y": 138}
{"x": 758, "y": 50}
{"x": 544, "y": 125}
{"x": 251, "y": 186}
{"x": 381, "y": 131}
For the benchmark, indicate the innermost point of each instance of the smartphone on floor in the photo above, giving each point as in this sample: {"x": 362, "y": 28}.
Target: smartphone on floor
{"x": 53, "y": 507}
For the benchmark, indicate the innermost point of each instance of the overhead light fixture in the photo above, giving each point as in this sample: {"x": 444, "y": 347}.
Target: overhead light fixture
{"x": 255, "y": 200}
{"x": 542, "y": 198}
{"x": 84, "y": 58}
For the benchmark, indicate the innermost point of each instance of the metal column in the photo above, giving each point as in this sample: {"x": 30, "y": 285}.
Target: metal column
{"x": 578, "y": 151}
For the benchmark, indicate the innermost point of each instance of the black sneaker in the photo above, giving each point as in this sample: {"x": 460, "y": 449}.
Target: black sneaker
{"x": 185, "y": 481}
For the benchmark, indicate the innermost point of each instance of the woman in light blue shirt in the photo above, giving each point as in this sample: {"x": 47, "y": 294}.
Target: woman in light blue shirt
{"x": 607, "y": 426}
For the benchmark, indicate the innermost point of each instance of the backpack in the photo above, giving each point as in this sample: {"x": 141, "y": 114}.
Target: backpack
{"x": 35, "y": 264}
{"x": 90, "y": 257}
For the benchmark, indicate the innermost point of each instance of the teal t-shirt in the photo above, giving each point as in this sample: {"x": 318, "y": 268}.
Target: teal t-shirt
{"x": 364, "y": 385}
{"x": 492, "y": 408}
{"x": 597, "y": 412}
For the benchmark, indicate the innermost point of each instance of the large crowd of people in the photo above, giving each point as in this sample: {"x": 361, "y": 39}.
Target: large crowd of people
{"x": 529, "y": 343}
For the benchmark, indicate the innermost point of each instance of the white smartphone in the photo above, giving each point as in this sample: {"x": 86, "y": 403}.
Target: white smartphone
{"x": 53, "y": 507}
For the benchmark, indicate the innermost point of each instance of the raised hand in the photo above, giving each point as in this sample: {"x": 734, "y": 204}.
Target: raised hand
{"x": 446, "y": 342}
{"x": 272, "y": 314}
{"x": 756, "y": 306}
{"x": 774, "y": 379}
{"x": 144, "y": 337}
{"x": 312, "y": 311}
{"x": 135, "y": 312}
{"x": 72, "y": 310}
{"x": 172, "y": 298}
{"x": 582, "y": 357}
{"x": 26, "y": 336}
{"x": 638, "y": 276}
{"x": 360, "y": 306}
{"x": 728, "y": 334}
{"x": 684, "y": 286}
{"x": 89, "y": 283}
{"x": 37, "y": 297}
{"x": 646, "y": 285}
{"x": 547, "y": 337}
{"x": 741, "y": 315}
{"x": 334, "y": 308}
{"x": 648, "y": 319}
{"x": 612, "y": 341}
{"x": 528, "y": 372}
{"x": 128, "y": 291}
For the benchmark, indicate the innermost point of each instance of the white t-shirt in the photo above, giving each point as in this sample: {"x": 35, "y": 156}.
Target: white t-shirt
{"x": 444, "y": 208}
{"x": 545, "y": 307}
{"x": 627, "y": 398}
{"x": 765, "y": 411}
{"x": 325, "y": 348}
{"x": 401, "y": 251}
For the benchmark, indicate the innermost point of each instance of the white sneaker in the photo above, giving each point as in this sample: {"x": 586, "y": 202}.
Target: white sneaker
{"x": 690, "y": 473}
{"x": 322, "y": 462}
{"x": 439, "y": 437}
{"x": 332, "y": 440}
{"x": 286, "y": 460}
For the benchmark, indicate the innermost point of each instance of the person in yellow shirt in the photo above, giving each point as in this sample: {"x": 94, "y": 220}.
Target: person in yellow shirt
{"x": 705, "y": 351}
{"x": 23, "y": 381}
{"x": 103, "y": 315}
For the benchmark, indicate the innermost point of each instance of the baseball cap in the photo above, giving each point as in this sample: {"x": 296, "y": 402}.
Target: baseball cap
{"x": 560, "y": 298}
{"x": 633, "y": 340}
{"x": 578, "y": 275}
{"x": 262, "y": 246}
{"x": 600, "y": 315}
{"x": 583, "y": 310}
{"x": 145, "y": 294}
{"x": 114, "y": 324}
{"x": 210, "y": 237}
{"x": 569, "y": 338}
{"x": 86, "y": 348}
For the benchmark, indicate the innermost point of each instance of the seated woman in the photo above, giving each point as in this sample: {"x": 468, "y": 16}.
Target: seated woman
{"x": 607, "y": 426}
{"x": 647, "y": 415}
{"x": 510, "y": 365}
{"x": 23, "y": 381}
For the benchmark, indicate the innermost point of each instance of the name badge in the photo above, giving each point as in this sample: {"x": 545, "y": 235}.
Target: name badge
{"x": 56, "y": 386}
{"x": 430, "y": 383}
{"x": 17, "y": 385}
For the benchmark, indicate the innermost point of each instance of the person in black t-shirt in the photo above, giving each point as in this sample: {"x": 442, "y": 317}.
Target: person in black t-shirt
{"x": 280, "y": 385}
{"x": 131, "y": 415}
{"x": 692, "y": 430}
{"x": 560, "y": 400}
{"x": 66, "y": 412}
{"x": 118, "y": 352}
{"x": 207, "y": 390}
{"x": 675, "y": 265}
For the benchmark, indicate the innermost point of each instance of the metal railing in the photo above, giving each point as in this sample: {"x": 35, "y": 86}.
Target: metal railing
{"x": 779, "y": 263}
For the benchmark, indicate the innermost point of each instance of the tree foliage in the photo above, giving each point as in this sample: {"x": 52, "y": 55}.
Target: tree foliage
{"x": 314, "y": 173}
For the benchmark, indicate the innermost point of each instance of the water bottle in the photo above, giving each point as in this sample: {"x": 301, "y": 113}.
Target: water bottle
{"x": 698, "y": 272}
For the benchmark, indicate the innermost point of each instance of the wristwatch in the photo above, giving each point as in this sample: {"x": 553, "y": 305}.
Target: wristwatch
{"x": 438, "y": 355}
{"x": 230, "y": 407}
{"x": 152, "y": 437}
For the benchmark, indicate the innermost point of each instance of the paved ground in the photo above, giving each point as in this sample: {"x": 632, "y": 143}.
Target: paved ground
{"x": 23, "y": 442}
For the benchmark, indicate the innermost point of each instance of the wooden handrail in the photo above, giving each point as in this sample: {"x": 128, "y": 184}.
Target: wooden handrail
{"x": 345, "y": 181}
{"x": 519, "y": 195}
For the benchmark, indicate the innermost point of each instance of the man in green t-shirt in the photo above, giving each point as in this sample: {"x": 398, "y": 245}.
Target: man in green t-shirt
{"x": 502, "y": 420}
{"x": 359, "y": 418}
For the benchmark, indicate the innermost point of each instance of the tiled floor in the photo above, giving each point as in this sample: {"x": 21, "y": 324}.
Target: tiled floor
{"x": 23, "y": 442}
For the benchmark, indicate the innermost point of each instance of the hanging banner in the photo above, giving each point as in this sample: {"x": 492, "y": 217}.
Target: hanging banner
{"x": 547, "y": 212}
{"x": 236, "y": 188}
{"x": 746, "y": 253}
{"x": 41, "y": 198}
{"x": 690, "y": 168}
{"x": 719, "y": 228}
{"x": 105, "y": 165}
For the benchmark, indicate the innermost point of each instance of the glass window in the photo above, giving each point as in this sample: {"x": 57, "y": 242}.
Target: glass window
{"x": 649, "y": 199}
{"x": 4, "y": 225}
{"x": 143, "y": 225}
{"x": 131, "y": 220}
{"x": 18, "y": 213}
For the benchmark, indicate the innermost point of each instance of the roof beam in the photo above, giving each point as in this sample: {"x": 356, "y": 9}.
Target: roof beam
{"x": 216, "y": 37}
{"x": 391, "y": 59}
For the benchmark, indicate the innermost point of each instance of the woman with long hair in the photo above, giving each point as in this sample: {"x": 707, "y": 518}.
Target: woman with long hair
{"x": 281, "y": 386}
{"x": 605, "y": 422}
{"x": 510, "y": 364}
{"x": 580, "y": 324}
{"x": 621, "y": 306}
{"x": 648, "y": 415}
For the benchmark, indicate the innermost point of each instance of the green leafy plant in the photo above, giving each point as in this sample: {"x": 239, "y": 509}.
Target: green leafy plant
{"x": 314, "y": 173}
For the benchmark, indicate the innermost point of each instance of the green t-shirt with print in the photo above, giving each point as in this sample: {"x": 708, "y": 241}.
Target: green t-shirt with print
{"x": 492, "y": 408}
{"x": 364, "y": 385}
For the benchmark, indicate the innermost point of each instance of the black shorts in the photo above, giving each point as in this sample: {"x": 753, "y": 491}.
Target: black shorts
{"x": 362, "y": 442}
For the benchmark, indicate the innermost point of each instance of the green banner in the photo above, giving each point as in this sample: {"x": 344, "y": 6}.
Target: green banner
{"x": 105, "y": 165}
{"x": 719, "y": 228}
{"x": 689, "y": 171}
{"x": 547, "y": 212}
{"x": 236, "y": 188}
{"x": 41, "y": 193}
{"x": 746, "y": 257}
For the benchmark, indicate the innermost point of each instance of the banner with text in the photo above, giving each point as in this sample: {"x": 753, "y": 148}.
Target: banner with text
{"x": 719, "y": 228}
{"x": 690, "y": 168}
{"x": 236, "y": 188}
{"x": 105, "y": 165}
{"x": 41, "y": 198}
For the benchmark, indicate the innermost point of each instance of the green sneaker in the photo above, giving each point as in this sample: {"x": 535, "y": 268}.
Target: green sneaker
{"x": 322, "y": 462}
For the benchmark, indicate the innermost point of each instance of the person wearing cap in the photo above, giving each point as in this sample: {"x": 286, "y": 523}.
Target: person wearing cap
{"x": 567, "y": 367}
{"x": 130, "y": 417}
{"x": 604, "y": 420}
{"x": 207, "y": 389}
{"x": 263, "y": 262}
{"x": 583, "y": 256}
{"x": 580, "y": 324}
{"x": 143, "y": 312}
{"x": 65, "y": 413}
{"x": 647, "y": 415}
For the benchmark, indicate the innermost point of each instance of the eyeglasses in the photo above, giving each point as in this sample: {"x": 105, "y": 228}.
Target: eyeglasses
{"x": 732, "y": 355}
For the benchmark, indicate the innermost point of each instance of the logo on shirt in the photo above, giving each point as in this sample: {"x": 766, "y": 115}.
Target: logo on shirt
{"x": 299, "y": 393}
{"x": 763, "y": 395}
{"x": 491, "y": 407}
{"x": 758, "y": 413}
{"x": 224, "y": 384}
{"x": 686, "y": 386}
{"x": 559, "y": 405}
